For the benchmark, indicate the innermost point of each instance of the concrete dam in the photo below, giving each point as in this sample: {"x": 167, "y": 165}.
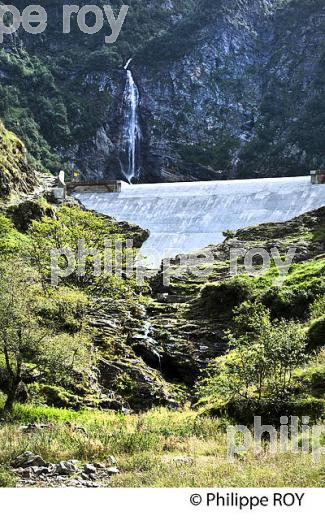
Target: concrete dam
{"x": 184, "y": 217}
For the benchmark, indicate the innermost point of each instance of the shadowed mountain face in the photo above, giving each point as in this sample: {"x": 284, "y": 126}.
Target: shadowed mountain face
{"x": 227, "y": 89}
{"x": 184, "y": 217}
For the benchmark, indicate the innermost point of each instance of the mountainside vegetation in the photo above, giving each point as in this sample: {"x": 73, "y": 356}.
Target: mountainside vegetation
{"x": 243, "y": 79}
{"x": 16, "y": 174}
{"x": 131, "y": 349}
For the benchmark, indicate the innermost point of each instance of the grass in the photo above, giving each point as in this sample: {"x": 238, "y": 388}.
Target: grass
{"x": 148, "y": 447}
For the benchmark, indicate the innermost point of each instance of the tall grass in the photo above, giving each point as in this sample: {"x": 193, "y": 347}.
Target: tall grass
{"x": 160, "y": 448}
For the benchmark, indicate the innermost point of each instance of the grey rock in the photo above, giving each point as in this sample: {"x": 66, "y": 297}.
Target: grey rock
{"x": 40, "y": 471}
{"x": 67, "y": 468}
{"x": 24, "y": 473}
{"x": 91, "y": 485}
{"x": 112, "y": 471}
{"x": 111, "y": 460}
{"x": 89, "y": 469}
{"x": 28, "y": 459}
{"x": 74, "y": 483}
{"x": 99, "y": 465}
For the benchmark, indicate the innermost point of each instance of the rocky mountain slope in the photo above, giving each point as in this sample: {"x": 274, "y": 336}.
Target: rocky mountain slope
{"x": 152, "y": 350}
{"x": 227, "y": 89}
{"x": 16, "y": 174}
{"x": 189, "y": 319}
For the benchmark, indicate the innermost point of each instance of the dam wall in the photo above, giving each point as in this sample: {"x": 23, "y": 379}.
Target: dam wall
{"x": 184, "y": 217}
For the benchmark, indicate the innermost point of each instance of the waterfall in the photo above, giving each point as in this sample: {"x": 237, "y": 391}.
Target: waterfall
{"x": 131, "y": 130}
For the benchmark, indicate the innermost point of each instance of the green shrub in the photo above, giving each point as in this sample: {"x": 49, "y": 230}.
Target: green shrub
{"x": 317, "y": 309}
{"x": 258, "y": 368}
{"x": 311, "y": 379}
{"x": 290, "y": 303}
{"x": 251, "y": 318}
{"x": 10, "y": 239}
{"x": 222, "y": 298}
{"x": 243, "y": 411}
{"x": 316, "y": 334}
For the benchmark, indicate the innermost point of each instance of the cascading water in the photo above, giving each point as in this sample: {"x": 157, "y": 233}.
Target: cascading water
{"x": 182, "y": 217}
{"x": 131, "y": 129}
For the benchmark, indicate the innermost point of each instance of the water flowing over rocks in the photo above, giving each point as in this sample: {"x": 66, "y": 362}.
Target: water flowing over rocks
{"x": 185, "y": 217}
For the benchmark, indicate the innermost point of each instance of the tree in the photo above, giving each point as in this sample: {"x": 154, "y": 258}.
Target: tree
{"x": 285, "y": 348}
{"x": 25, "y": 343}
{"x": 260, "y": 362}
{"x": 237, "y": 375}
{"x": 74, "y": 229}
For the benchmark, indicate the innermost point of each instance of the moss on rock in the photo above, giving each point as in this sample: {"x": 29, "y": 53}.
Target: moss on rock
{"x": 16, "y": 175}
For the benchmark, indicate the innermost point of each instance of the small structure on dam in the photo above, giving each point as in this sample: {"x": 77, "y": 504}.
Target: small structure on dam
{"x": 60, "y": 191}
{"x": 62, "y": 188}
{"x": 318, "y": 177}
{"x": 94, "y": 187}
{"x": 184, "y": 217}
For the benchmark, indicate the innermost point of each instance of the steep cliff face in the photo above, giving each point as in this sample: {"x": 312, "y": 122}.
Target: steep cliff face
{"x": 201, "y": 106}
{"x": 245, "y": 98}
{"x": 16, "y": 175}
{"x": 229, "y": 88}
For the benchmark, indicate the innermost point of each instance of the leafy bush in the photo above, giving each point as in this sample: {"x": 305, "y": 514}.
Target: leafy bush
{"x": 260, "y": 364}
{"x": 250, "y": 319}
{"x": 63, "y": 308}
{"x": 310, "y": 380}
{"x": 71, "y": 229}
{"x": 222, "y": 298}
{"x": 28, "y": 346}
{"x": 243, "y": 411}
{"x": 317, "y": 309}
{"x": 11, "y": 241}
{"x": 316, "y": 334}
{"x": 291, "y": 303}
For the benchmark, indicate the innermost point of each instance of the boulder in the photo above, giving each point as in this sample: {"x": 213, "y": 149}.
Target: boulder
{"x": 29, "y": 459}
{"x": 112, "y": 471}
{"x": 89, "y": 469}
{"x": 66, "y": 468}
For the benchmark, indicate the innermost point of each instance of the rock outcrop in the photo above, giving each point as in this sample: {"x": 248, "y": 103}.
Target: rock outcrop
{"x": 16, "y": 174}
